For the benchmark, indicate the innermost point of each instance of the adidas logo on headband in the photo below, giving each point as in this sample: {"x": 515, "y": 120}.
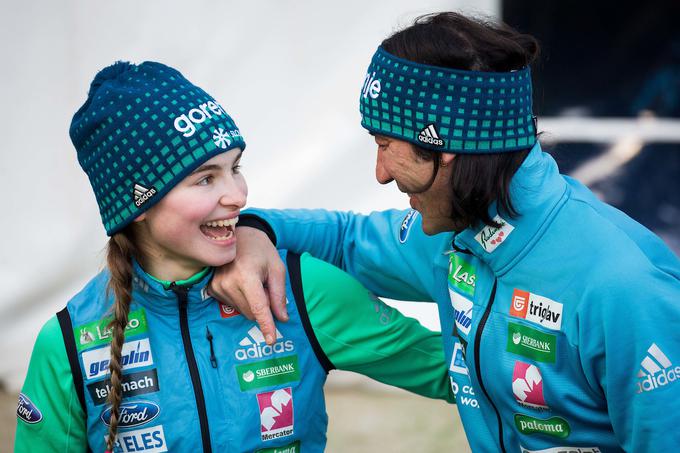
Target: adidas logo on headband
{"x": 430, "y": 136}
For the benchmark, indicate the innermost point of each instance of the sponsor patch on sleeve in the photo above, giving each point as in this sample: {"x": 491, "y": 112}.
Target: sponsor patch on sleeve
{"x": 27, "y": 411}
{"x": 406, "y": 225}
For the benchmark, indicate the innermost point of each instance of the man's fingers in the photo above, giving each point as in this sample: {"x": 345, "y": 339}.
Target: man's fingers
{"x": 276, "y": 288}
{"x": 256, "y": 297}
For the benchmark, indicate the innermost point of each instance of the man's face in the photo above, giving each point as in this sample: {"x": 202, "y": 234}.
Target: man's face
{"x": 398, "y": 161}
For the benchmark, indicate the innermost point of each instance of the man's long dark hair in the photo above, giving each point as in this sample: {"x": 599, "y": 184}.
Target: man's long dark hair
{"x": 452, "y": 40}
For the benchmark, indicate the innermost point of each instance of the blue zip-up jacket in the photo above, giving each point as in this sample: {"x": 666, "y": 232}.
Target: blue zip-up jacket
{"x": 197, "y": 376}
{"x": 562, "y": 327}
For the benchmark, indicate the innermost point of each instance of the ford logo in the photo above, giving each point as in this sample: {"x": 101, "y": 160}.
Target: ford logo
{"x": 133, "y": 414}
{"x": 27, "y": 411}
{"x": 406, "y": 225}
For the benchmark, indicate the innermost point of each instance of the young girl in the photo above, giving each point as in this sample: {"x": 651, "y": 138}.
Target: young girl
{"x": 143, "y": 359}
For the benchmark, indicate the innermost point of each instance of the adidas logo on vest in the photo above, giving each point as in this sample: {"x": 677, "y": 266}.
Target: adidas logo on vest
{"x": 430, "y": 136}
{"x": 656, "y": 370}
{"x": 142, "y": 194}
{"x": 256, "y": 348}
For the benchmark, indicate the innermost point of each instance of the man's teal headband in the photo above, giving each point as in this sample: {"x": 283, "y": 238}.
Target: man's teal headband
{"x": 448, "y": 110}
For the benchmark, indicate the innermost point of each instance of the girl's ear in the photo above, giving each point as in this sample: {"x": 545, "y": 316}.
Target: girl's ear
{"x": 446, "y": 158}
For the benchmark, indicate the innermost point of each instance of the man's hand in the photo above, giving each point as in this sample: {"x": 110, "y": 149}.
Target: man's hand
{"x": 255, "y": 282}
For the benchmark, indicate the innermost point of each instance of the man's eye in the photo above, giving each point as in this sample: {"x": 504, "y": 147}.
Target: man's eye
{"x": 204, "y": 181}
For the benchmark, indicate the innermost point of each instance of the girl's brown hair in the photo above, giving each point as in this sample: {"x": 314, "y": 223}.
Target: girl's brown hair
{"x": 120, "y": 251}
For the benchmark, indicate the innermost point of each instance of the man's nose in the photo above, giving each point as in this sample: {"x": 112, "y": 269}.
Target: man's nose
{"x": 381, "y": 173}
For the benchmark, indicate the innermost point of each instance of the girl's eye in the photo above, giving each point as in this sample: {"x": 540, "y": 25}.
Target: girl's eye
{"x": 236, "y": 169}
{"x": 204, "y": 181}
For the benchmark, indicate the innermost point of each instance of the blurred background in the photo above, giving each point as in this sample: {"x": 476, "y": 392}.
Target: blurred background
{"x": 607, "y": 95}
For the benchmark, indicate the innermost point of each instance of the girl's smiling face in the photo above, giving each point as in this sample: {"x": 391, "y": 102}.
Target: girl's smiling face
{"x": 193, "y": 226}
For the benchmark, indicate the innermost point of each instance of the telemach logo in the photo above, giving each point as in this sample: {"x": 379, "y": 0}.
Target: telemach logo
{"x": 257, "y": 348}
{"x": 656, "y": 371}
{"x": 554, "y": 426}
{"x": 133, "y": 384}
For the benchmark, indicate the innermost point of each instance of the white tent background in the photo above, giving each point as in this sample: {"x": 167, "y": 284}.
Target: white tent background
{"x": 288, "y": 72}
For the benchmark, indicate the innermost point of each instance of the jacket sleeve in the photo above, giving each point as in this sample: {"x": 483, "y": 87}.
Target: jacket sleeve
{"x": 49, "y": 415}
{"x": 386, "y": 251}
{"x": 630, "y": 351}
{"x": 358, "y": 332}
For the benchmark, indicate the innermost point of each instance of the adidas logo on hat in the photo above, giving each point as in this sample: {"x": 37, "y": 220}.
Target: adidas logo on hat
{"x": 656, "y": 370}
{"x": 142, "y": 194}
{"x": 429, "y": 135}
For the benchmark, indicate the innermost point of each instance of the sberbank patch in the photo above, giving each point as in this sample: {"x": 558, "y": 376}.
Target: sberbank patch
{"x": 462, "y": 275}
{"x": 268, "y": 373}
{"x": 98, "y": 333}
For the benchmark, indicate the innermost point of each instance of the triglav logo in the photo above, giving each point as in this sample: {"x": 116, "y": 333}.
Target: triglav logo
{"x": 256, "y": 348}
{"x": 135, "y": 354}
{"x": 227, "y": 311}
{"x": 142, "y": 194}
{"x": 657, "y": 370}
{"x": 27, "y": 411}
{"x": 429, "y": 136}
{"x": 276, "y": 413}
{"x": 491, "y": 237}
{"x": 371, "y": 86}
{"x": 406, "y": 224}
{"x": 537, "y": 309}
{"x": 186, "y": 123}
{"x": 527, "y": 386}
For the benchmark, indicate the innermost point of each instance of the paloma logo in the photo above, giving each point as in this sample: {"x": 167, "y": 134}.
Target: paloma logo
{"x": 429, "y": 136}
{"x": 186, "y": 123}
{"x": 371, "y": 86}
{"x": 527, "y": 385}
{"x": 537, "y": 309}
{"x": 256, "y": 348}
{"x": 656, "y": 370}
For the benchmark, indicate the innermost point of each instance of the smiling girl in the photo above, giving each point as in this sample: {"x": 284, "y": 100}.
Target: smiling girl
{"x": 143, "y": 359}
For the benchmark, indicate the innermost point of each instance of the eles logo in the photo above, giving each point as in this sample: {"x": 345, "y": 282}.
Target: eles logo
{"x": 257, "y": 348}
{"x": 133, "y": 414}
{"x": 186, "y": 123}
{"x": 148, "y": 440}
{"x": 276, "y": 413}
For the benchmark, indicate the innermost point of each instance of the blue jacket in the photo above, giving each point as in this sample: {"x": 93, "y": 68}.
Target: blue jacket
{"x": 195, "y": 374}
{"x": 562, "y": 327}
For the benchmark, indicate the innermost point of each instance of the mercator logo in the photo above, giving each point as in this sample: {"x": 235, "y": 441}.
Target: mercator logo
{"x": 430, "y": 136}
{"x": 656, "y": 371}
{"x": 527, "y": 385}
{"x": 256, "y": 348}
{"x": 276, "y": 413}
{"x": 143, "y": 194}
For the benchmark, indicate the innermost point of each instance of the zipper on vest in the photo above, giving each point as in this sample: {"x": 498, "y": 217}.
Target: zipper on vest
{"x": 478, "y": 370}
{"x": 182, "y": 297}
{"x": 209, "y": 336}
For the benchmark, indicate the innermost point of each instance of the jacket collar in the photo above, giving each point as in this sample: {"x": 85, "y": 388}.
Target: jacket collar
{"x": 537, "y": 191}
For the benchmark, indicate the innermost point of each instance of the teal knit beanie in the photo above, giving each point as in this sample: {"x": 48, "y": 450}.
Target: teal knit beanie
{"x": 142, "y": 129}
